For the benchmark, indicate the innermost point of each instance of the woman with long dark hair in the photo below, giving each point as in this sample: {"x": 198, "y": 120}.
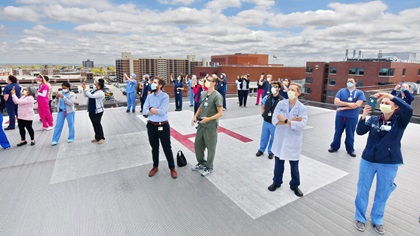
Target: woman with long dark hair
{"x": 96, "y": 109}
{"x": 25, "y": 113}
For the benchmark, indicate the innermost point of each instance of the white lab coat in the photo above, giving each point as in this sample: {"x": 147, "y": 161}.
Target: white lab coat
{"x": 288, "y": 139}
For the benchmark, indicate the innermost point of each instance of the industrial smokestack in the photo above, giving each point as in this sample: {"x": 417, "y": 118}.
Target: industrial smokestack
{"x": 360, "y": 54}
{"x": 354, "y": 54}
{"x": 347, "y": 54}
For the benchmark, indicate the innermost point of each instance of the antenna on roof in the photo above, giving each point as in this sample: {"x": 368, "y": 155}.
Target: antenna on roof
{"x": 347, "y": 55}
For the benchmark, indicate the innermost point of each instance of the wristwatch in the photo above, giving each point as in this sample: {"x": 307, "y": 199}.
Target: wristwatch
{"x": 285, "y": 121}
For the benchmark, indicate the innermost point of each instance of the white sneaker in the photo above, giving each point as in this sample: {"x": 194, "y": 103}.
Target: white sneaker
{"x": 49, "y": 128}
{"x": 206, "y": 171}
{"x": 197, "y": 167}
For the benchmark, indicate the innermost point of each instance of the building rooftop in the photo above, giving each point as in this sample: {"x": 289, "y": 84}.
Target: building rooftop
{"x": 83, "y": 188}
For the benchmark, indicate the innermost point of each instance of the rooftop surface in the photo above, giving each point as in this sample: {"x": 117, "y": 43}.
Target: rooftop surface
{"x": 83, "y": 188}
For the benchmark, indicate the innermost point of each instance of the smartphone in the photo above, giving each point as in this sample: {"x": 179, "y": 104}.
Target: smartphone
{"x": 372, "y": 102}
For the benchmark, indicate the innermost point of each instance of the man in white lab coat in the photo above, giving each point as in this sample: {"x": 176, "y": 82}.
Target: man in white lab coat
{"x": 290, "y": 118}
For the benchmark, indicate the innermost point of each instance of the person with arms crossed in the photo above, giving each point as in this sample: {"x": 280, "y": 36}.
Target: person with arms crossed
{"x": 11, "y": 107}
{"x": 158, "y": 129}
{"x": 290, "y": 118}
{"x": 348, "y": 101}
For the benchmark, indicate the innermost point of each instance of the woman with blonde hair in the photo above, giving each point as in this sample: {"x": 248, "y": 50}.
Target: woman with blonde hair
{"x": 43, "y": 103}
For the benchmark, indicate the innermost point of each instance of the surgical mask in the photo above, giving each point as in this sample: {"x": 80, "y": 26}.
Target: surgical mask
{"x": 208, "y": 84}
{"x": 385, "y": 108}
{"x": 273, "y": 90}
{"x": 402, "y": 89}
{"x": 349, "y": 84}
{"x": 200, "y": 83}
{"x": 153, "y": 87}
{"x": 65, "y": 90}
{"x": 291, "y": 95}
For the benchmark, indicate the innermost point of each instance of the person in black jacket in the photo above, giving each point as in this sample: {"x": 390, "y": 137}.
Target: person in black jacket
{"x": 381, "y": 157}
{"x": 403, "y": 91}
{"x": 244, "y": 85}
{"x": 269, "y": 103}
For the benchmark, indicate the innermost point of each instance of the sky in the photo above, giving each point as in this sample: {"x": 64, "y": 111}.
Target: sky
{"x": 294, "y": 31}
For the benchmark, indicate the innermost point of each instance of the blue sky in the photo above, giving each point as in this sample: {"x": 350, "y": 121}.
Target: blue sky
{"x": 296, "y": 31}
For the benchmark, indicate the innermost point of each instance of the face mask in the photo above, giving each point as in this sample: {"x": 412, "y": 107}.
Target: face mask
{"x": 25, "y": 92}
{"x": 349, "y": 84}
{"x": 208, "y": 84}
{"x": 273, "y": 90}
{"x": 65, "y": 90}
{"x": 402, "y": 89}
{"x": 269, "y": 79}
{"x": 385, "y": 108}
{"x": 153, "y": 87}
{"x": 200, "y": 83}
{"x": 291, "y": 95}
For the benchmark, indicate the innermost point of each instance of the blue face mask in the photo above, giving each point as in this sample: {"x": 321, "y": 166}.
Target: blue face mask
{"x": 153, "y": 87}
{"x": 402, "y": 89}
{"x": 349, "y": 84}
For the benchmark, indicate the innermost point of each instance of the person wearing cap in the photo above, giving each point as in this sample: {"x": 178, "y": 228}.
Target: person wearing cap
{"x": 178, "y": 88}
{"x": 269, "y": 103}
{"x": 348, "y": 101}
{"x": 43, "y": 103}
{"x": 130, "y": 89}
{"x": 25, "y": 113}
{"x": 207, "y": 116}
{"x": 96, "y": 109}
{"x": 11, "y": 107}
{"x": 158, "y": 129}
{"x": 222, "y": 87}
{"x": 65, "y": 107}
{"x": 289, "y": 117}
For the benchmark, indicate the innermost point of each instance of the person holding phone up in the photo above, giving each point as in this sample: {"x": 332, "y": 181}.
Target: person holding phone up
{"x": 403, "y": 91}
{"x": 348, "y": 101}
{"x": 381, "y": 157}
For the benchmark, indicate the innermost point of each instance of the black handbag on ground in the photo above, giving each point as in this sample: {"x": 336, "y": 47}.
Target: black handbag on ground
{"x": 180, "y": 159}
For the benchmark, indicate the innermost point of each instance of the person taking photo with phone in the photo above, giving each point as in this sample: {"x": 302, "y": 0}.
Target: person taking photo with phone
{"x": 381, "y": 157}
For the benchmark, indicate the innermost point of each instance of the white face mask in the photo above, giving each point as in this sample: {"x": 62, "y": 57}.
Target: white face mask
{"x": 273, "y": 90}
{"x": 65, "y": 90}
{"x": 208, "y": 84}
{"x": 385, "y": 108}
{"x": 153, "y": 87}
{"x": 200, "y": 83}
{"x": 291, "y": 95}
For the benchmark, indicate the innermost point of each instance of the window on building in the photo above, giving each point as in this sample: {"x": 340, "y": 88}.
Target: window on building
{"x": 404, "y": 71}
{"x": 359, "y": 83}
{"x": 356, "y": 71}
{"x": 330, "y": 93}
{"x": 308, "y": 69}
{"x": 418, "y": 72}
{"x": 331, "y": 82}
{"x": 307, "y": 90}
{"x": 308, "y": 80}
{"x": 386, "y": 72}
{"x": 333, "y": 70}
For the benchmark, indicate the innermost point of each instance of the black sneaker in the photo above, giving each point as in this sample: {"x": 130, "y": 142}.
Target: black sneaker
{"x": 297, "y": 191}
{"x": 259, "y": 153}
{"x": 331, "y": 150}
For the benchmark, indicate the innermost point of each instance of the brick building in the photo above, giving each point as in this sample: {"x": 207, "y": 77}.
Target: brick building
{"x": 254, "y": 64}
{"x": 324, "y": 79}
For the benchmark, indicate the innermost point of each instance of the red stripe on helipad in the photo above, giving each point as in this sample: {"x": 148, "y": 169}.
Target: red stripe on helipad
{"x": 183, "y": 139}
{"x": 234, "y": 135}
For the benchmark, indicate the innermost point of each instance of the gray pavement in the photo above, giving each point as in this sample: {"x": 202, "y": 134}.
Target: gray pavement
{"x": 83, "y": 188}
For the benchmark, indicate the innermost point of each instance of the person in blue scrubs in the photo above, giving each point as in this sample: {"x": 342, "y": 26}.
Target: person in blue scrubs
{"x": 11, "y": 107}
{"x": 178, "y": 88}
{"x": 348, "y": 101}
{"x": 381, "y": 158}
{"x": 130, "y": 89}
{"x": 190, "y": 89}
{"x": 65, "y": 107}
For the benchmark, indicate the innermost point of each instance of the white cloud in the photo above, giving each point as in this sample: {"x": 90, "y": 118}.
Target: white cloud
{"x": 37, "y": 30}
{"x": 19, "y": 13}
{"x": 31, "y": 40}
{"x": 177, "y": 2}
{"x": 220, "y": 5}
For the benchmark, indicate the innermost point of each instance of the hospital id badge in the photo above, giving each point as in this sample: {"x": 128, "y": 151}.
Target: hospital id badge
{"x": 350, "y": 99}
{"x": 206, "y": 104}
{"x": 269, "y": 114}
{"x": 160, "y": 128}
